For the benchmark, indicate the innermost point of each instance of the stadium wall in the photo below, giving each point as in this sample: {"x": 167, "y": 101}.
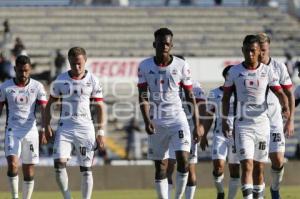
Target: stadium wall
{"x": 135, "y": 177}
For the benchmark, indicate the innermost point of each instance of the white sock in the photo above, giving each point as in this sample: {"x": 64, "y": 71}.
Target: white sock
{"x": 219, "y": 183}
{"x": 247, "y": 190}
{"x": 28, "y": 189}
{"x": 190, "y": 192}
{"x": 87, "y": 184}
{"x": 14, "y": 186}
{"x": 161, "y": 187}
{"x": 276, "y": 178}
{"x": 170, "y": 190}
{"x": 181, "y": 180}
{"x": 258, "y": 191}
{"x": 63, "y": 182}
{"x": 233, "y": 187}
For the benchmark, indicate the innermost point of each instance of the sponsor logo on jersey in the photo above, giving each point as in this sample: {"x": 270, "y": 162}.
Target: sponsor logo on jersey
{"x": 251, "y": 74}
{"x": 151, "y": 72}
{"x": 162, "y": 72}
{"x": 174, "y": 72}
{"x": 11, "y": 91}
{"x": 241, "y": 75}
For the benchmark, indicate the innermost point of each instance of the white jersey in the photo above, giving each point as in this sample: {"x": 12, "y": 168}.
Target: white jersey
{"x": 75, "y": 98}
{"x": 251, "y": 88}
{"x": 274, "y": 107}
{"x": 214, "y": 104}
{"x": 21, "y": 104}
{"x": 199, "y": 96}
{"x": 164, "y": 87}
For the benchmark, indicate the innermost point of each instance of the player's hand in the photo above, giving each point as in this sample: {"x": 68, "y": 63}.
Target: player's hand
{"x": 42, "y": 136}
{"x": 48, "y": 133}
{"x": 289, "y": 128}
{"x": 100, "y": 140}
{"x": 225, "y": 128}
{"x": 203, "y": 143}
{"x": 286, "y": 112}
{"x": 149, "y": 127}
{"x": 198, "y": 133}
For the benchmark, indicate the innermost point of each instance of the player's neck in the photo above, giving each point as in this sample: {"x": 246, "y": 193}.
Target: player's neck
{"x": 21, "y": 83}
{"x": 251, "y": 66}
{"x": 266, "y": 60}
{"x": 77, "y": 77}
{"x": 163, "y": 60}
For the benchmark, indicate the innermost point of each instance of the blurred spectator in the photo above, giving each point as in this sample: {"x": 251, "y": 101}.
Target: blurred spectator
{"x": 167, "y": 2}
{"x": 258, "y": 2}
{"x": 131, "y": 129}
{"x": 19, "y": 48}
{"x": 59, "y": 62}
{"x": 6, "y": 68}
{"x": 5, "y": 44}
{"x": 289, "y": 63}
{"x": 186, "y": 2}
{"x": 218, "y": 2}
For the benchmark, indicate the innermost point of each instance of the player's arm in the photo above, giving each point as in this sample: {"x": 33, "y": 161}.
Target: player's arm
{"x": 99, "y": 105}
{"x": 48, "y": 111}
{"x": 289, "y": 125}
{"x": 207, "y": 123}
{"x": 145, "y": 107}
{"x": 225, "y": 109}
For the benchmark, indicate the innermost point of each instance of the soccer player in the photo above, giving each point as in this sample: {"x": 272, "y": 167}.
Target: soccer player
{"x": 277, "y": 138}
{"x": 21, "y": 95}
{"x": 163, "y": 114}
{"x": 250, "y": 81}
{"x": 76, "y": 89}
{"x": 222, "y": 147}
{"x": 193, "y": 157}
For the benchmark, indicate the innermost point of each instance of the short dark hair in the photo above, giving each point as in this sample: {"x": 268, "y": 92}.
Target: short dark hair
{"x": 76, "y": 51}
{"x": 250, "y": 39}
{"x": 225, "y": 71}
{"x": 22, "y": 60}
{"x": 163, "y": 32}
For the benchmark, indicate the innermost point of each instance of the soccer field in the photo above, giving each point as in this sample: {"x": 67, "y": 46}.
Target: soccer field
{"x": 288, "y": 192}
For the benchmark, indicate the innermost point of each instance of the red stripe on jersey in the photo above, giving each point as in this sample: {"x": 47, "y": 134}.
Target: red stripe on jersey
{"x": 97, "y": 99}
{"x": 42, "y": 102}
{"x": 276, "y": 88}
{"x": 142, "y": 85}
{"x": 200, "y": 100}
{"x": 187, "y": 87}
{"x": 227, "y": 88}
{"x": 288, "y": 86}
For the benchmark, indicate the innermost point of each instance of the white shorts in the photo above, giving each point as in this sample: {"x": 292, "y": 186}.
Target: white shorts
{"x": 223, "y": 148}
{"x": 193, "y": 159}
{"x": 82, "y": 140}
{"x": 25, "y": 147}
{"x": 252, "y": 140}
{"x": 277, "y": 139}
{"x": 176, "y": 135}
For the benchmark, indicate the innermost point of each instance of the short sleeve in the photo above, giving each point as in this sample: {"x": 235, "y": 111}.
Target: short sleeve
{"x": 2, "y": 94}
{"x": 285, "y": 80}
{"x": 55, "y": 88}
{"x": 273, "y": 80}
{"x": 187, "y": 77}
{"x": 229, "y": 81}
{"x": 41, "y": 95}
{"x": 142, "y": 82}
{"x": 97, "y": 92}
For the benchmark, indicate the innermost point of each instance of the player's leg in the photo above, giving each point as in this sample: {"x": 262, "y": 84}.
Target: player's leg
{"x": 258, "y": 180}
{"x": 181, "y": 140}
{"x": 192, "y": 178}
{"x": 12, "y": 174}
{"x": 192, "y": 182}
{"x": 234, "y": 170}
{"x": 61, "y": 153}
{"x": 12, "y": 153}
{"x": 170, "y": 171}
{"x": 30, "y": 157}
{"x": 84, "y": 145}
{"x": 158, "y": 145}
{"x": 245, "y": 143}
{"x": 219, "y": 153}
{"x": 276, "y": 154}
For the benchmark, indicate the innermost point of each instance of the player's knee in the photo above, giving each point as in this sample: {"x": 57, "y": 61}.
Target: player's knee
{"x": 11, "y": 173}
{"x": 12, "y": 167}
{"x": 277, "y": 163}
{"x": 28, "y": 178}
{"x": 192, "y": 180}
{"x": 218, "y": 171}
{"x": 84, "y": 169}
{"x": 59, "y": 165}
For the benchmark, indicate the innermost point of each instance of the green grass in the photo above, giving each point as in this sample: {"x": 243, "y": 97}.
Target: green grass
{"x": 287, "y": 192}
